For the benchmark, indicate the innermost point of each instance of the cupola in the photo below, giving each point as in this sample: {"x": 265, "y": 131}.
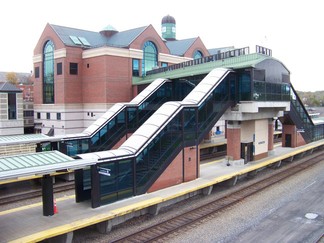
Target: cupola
{"x": 168, "y": 28}
{"x": 108, "y": 31}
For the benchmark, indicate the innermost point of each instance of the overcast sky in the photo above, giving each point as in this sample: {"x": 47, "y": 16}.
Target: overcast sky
{"x": 292, "y": 29}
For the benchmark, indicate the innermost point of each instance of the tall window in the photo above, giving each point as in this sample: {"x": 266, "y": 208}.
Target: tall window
{"x": 48, "y": 73}
{"x": 12, "y": 110}
{"x": 150, "y": 57}
{"x": 59, "y": 68}
{"x": 197, "y": 54}
{"x": 135, "y": 67}
{"x": 36, "y": 72}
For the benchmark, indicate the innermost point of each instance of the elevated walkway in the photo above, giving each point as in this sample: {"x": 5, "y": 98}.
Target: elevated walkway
{"x": 26, "y": 224}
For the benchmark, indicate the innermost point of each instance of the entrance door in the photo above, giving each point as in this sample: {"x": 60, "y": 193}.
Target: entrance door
{"x": 247, "y": 152}
{"x": 288, "y": 140}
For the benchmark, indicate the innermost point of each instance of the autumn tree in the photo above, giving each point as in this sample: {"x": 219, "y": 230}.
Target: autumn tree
{"x": 12, "y": 78}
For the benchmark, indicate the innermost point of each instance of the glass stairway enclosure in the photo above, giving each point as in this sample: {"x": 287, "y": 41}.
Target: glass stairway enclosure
{"x": 176, "y": 125}
{"x": 299, "y": 116}
{"x": 124, "y": 118}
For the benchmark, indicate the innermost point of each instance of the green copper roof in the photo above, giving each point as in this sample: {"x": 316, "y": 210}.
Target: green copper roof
{"x": 237, "y": 62}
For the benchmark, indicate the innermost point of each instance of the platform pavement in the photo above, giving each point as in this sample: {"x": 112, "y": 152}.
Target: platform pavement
{"x": 27, "y": 224}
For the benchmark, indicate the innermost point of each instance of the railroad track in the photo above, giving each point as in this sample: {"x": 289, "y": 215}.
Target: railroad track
{"x": 11, "y": 198}
{"x": 180, "y": 223}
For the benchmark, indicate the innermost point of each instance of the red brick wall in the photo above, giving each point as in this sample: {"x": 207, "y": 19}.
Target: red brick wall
{"x": 190, "y": 163}
{"x": 48, "y": 34}
{"x": 150, "y": 34}
{"x": 68, "y": 88}
{"x": 234, "y": 143}
{"x": 197, "y": 45}
{"x": 300, "y": 140}
{"x": 107, "y": 79}
{"x": 296, "y": 138}
{"x": 183, "y": 168}
{"x": 171, "y": 176}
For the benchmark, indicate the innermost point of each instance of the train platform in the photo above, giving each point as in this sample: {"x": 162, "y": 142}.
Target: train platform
{"x": 27, "y": 224}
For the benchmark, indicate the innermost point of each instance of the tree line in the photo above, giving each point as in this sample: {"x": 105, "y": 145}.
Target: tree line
{"x": 312, "y": 99}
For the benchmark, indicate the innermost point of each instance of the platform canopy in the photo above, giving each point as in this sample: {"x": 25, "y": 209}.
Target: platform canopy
{"x": 38, "y": 164}
{"x": 27, "y": 138}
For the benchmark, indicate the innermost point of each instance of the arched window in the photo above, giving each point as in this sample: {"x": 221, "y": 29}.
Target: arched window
{"x": 197, "y": 54}
{"x": 150, "y": 57}
{"x": 48, "y": 73}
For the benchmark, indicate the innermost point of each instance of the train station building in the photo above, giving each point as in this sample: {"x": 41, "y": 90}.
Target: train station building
{"x": 129, "y": 113}
{"x": 79, "y": 74}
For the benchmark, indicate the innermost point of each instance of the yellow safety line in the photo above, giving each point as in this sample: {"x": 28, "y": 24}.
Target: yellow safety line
{"x": 149, "y": 202}
{"x": 82, "y": 223}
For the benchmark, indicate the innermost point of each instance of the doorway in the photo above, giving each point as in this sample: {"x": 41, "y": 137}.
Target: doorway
{"x": 288, "y": 140}
{"x": 247, "y": 152}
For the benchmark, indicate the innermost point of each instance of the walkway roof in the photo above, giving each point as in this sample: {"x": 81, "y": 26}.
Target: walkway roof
{"x": 42, "y": 163}
{"x": 26, "y": 138}
{"x": 237, "y": 62}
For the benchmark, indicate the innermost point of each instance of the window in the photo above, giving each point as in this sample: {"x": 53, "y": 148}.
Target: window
{"x": 59, "y": 70}
{"x": 12, "y": 109}
{"x": 164, "y": 64}
{"x": 28, "y": 113}
{"x": 259, "y": 74}
{"x": 73, "y": 68}
{"x": 38, "y": 115}
{"x": 135, "y": 67}
{"x": 197, "y": 54}
{"x": 150, "y": 57}
{"x": 48, "y": 73}
{"x": 48, "y": 116}
{"x": 58, "y": 116}
{"x": 36, "y": 72}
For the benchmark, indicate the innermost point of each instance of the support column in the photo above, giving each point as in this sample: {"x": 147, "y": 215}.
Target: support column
{"x": 270, "y": 135}
{"x": 232, "y": 181}
{"x": 78, "y": 186}
{"x": 234, "y": 140}
{"x": 154, "y": 209}
{"x": 207, "y": 190}
{"x": 47, "y": 195}
{"x": 207, "y": 138}
{"x": 65, "y": 238}
{"x": 105, "y": 226}
{"x": 95, "y": 187}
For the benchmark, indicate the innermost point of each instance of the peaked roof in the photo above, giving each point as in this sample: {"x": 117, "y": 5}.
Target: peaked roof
{"x": 8, "y": 87}
{"x": 179, "y": 47}
{"x": 125, "y": 38}
{"x": 95, "y": 39}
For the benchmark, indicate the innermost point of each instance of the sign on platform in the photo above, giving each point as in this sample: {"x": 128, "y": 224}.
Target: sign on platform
{"x": 104, "y": 171}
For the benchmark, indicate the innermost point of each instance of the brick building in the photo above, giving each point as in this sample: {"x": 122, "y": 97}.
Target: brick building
{"x": 79, "y": 74}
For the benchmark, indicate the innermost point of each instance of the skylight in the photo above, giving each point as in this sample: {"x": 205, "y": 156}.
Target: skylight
{"x": 75, "y": 40}
{"x": 84, "y": 41}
